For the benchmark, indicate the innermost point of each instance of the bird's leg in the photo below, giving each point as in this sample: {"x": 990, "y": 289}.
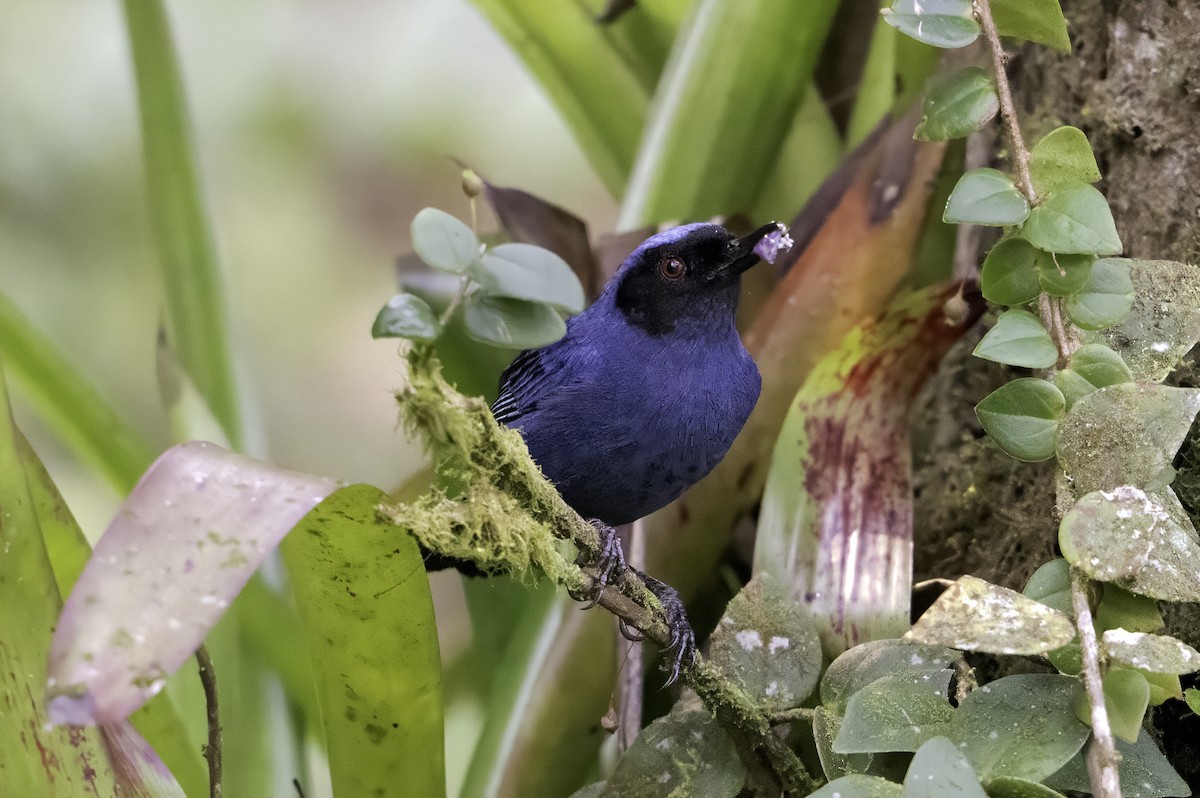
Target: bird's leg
{"x": 682, "y": 649}
{"x": 609, "y": 562}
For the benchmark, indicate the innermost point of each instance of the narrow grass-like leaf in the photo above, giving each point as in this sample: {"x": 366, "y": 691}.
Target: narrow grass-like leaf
{"x": 1105, "y": 299}
{"x": 1062, "y": 158}
{"x": 364, "y": 601}
{"x": 180, "y": 549}
{"x": 529, "y": 273}
{"x": 196, "y": 313}
{"x": 939, "y": 770}
{"x": 1018, "y": 339}
{"x": 69, "y": 403}
{"x": 511, "y": 323}
{"x": 988, "y": 197}
{"x": 941, "y": 23}
{"x": 1009, "y": 275}
{"x": 735, "y": 77}
{"x": 1022, "y": 417}
{"x": 1075, "y": 220}
{"x": 406, "y": 316}
{"x": 1038, "y": 21}
{"x": 444, "y": 242}
{"x": 958, "y": 105}
{"x": 602, "y": 100}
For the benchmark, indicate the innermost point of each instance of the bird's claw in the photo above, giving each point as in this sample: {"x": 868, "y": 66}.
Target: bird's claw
{"x": 609, "y": 562}
{"x": 682, "y": 648}
{"x": 628, "y": 632}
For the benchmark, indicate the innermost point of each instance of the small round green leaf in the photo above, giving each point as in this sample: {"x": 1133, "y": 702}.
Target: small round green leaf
{"x": 859, "y": 785}
{"x": 1009, "y": 275}
{"x": 1192, "y": 697}
{"x": 896, "y": 713}
{"x": 1144, "y": 772}
{"x": 683, "y": 753}
{"x": 1126, "y": 696}
{"x": 1074, "y": 220}
{"x": 958, "y": 106}
{"x": 1018, "y": 339}
{"x": 939, "y": 770}
{"x": 857, "y": 667}
{"x": 1105, "y": 298}
{"x": 1063, "y": 275}
{"x": 1092, "y": 367}
{"x": 941, "y": 23}
{"x": 1022, "y": 418}
{"x": 1009, "y": 787}
{"x": 406, "y": 316}
{"x": 1151, "y": 652}
{"x": 1120, "y": 609}
{"x": 1063, "y": 157}
{"x": 1038, "y": 21}
{"x": 988, "y": 197}
{"x": 443, "y": 242}
{"x": 1053, "y": 577}
{"x": 531, "y": 273}
{"x": 511, "y": 323}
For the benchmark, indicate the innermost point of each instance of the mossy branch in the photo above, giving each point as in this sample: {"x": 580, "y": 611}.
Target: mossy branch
{"x": 500, "y": 514}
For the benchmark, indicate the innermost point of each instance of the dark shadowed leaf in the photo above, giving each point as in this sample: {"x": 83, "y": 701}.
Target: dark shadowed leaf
{"x": 941, "y": 23}
{"x": 974, "y": 615}
{"x": 1150, "y": 652}
{"x": 896, "y": 713}
{"x": 1009, "y": 275}
{"x": 1105, "y": 299}
{"x": 768, "y": 645}
{"x": 1063, "y": 275}
{"x": 1144, "y": 772}
{"x": 1018, "y": 339}
{"x": 529, "y": 273}
{"x": 1127, "y": 536}
{"x": 988, "y": 197}
{"x": 1038, "y": 21}
{"x": 684, "y": 753}
{"x": 858, "y": 785}
{"x": 958, "y": 105}
{"x": 1192, "y": 697}
{"x": 406, "y": 316}
{"x": 939, "y": 770}
{"x": 1063, "y": 157}
{"x": 1073, "y": 220}
{"x": 443, "y": 242}
{"x": 1052, "y": 577}
{"x": 512, "y": 323}
{"x": 1022, "y": 417}
{"x": 860, "y": 666}
{"x": 1022, "y": 726}
{"x": 1126, "y": 696}
{"x": 1165, "y": 320}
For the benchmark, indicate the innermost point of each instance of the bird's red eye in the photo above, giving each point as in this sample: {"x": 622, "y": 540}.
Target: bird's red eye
{"x": 672, "y": 268}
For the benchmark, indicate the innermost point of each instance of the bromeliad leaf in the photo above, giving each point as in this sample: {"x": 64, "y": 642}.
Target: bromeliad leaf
{"x": 896, "y": 713}
{"x": 1010, "y": 275}
{"x": 1022, "y": 417}
{"x": 987, "y": 197}
{"x": 941, "y": 23}
{"x": 511, "y": 323}
{"x": 1127, "y": 536}
{"x": 1063, "y": 275}
{"x": 1018, "y": 339}
{"x": 406, "y": 316}
{"x": 958, "y": 106}
{"x": 443, "y": 242}
{"x": 529, "y": 273}
{"x": 1126, "y": 696}
{"x": 1062, "y": 158}
{"x": 1105, "y": 299}
{"x": 974, "y": 615}
{"x": 1038, "y": 21}
{"x": 939, "y": 770}
{"x": 1149, "y": 652}
{"x": 1075, "y": 220}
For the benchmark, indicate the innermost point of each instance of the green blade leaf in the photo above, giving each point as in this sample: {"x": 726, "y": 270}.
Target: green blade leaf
{"x": 511, "y": 323}
{"x": 1038, "y": 21}
{"x": 444, "y": 242}
{"x": 941, "y": 23}
{"x": 1126, "y": 697}
{"x": 406, "y": 316}
{"x": 1009, "y": 275}
{"x": 958, "y": 106}
{"x": 988, "y": 197}
{"x": 737, "y": 73}
{"x": 1018, "y": 339}
{"x": 896, "y": 713}
{"x": 187, "y": 255}
{"x": 364, "y": 602}
{"x": 1150, "y": 652}
{"x": 530, "y": 273}
{"x": 939, "y": 770}
{"x": 1063, "y": 275}
{"x": 974, "y": 615}
{"x": 1022, "y": 418}
{"x": 1105, "y": 299}
{"x": 1062, "y": 158}
{"x": 1075, "y": 220}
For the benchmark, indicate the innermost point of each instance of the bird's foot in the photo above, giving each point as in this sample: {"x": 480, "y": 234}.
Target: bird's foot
{"x": 609, "y": 562}
{"x": 681, "y": 652}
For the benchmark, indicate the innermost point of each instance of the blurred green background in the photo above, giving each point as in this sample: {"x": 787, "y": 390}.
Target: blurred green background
{"x": 321, "y": 128}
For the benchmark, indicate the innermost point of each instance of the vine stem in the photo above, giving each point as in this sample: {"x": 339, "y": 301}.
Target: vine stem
{"x": 212, "y": 751}
{"x": 1102, "y": 753}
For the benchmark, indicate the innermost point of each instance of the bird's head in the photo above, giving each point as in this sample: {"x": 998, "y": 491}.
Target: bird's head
{"x": 686, "y": 276}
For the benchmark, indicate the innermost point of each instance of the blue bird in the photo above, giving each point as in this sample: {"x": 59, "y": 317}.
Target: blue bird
{"x": 645, "y": 393}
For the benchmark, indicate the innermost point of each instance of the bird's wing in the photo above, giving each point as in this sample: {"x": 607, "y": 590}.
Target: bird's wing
{"x": 525, "y": 380}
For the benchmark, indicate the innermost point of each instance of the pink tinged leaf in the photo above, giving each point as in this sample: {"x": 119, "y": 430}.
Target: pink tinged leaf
{"x": 137, "y": 767}
{"x": 179, "y": 550}
{"x": 836, "y": 521}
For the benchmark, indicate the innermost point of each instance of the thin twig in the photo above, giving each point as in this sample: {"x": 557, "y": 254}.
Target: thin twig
{"x": 793, "y": 715}
{"x": 212, "y": 751}
{"x": 1008, "y": 111}
{"x": 1102, "y": 754}
{"x": 633, "y": 677}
